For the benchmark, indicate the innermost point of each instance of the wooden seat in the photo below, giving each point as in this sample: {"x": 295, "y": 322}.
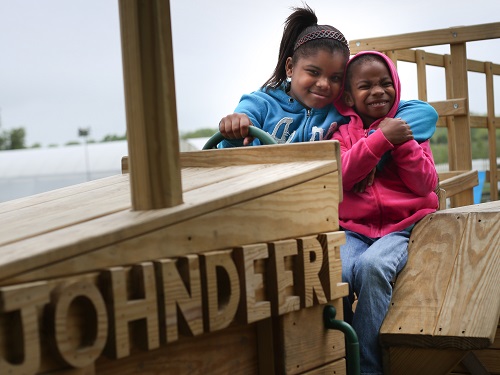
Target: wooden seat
{"x": 446, "y": 301}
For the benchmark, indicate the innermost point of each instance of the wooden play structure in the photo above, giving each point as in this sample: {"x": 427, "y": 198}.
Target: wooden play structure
{"x": 207, "y": 263}
{"x": 454, "y": 255}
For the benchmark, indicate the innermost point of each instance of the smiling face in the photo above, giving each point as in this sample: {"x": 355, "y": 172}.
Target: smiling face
{"x": 370, "y": 90}
{"x": 316, "y": 79}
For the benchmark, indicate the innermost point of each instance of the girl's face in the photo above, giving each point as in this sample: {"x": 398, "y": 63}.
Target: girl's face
{"x": 316, "y": 79}
{"x": 372, "y": 91}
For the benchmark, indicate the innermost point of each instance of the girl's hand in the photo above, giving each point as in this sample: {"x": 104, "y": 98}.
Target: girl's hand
{"x": 235, "y": 126}
{"x": 396, "y": 130}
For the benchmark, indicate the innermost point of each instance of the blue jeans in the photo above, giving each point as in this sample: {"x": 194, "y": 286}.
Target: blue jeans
{"x": 368, "y": 266}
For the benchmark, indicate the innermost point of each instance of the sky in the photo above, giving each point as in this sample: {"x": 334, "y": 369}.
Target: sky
{"x": 61, "y": 67}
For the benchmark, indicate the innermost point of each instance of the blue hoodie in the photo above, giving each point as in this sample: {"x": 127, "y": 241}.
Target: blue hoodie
{"x": 287, "y": 120}
{"x": 280, "y": 115}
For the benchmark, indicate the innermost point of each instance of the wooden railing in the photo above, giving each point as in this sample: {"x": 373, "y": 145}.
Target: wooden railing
{"x": 454, "y": 111}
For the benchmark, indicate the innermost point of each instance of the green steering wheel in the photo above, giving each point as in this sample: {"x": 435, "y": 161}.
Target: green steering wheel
{"x": 253, "y": 131}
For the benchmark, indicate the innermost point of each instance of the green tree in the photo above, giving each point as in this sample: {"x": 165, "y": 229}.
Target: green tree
{"x": 199, "y": 133}
{"x": 13, "y": 139}
{"x": 114, "y": 137}
{"x": 17, "y": 139}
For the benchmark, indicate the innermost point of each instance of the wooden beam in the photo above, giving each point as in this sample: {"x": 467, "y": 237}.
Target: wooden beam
{"x": 450, "y": 35}
{"x": 492, "y": 143}
{"x": 459, "y": 133}
{"x": 450, "y": 107}
{"x": 153, "y": 139}
{"x": 459, "y": 182}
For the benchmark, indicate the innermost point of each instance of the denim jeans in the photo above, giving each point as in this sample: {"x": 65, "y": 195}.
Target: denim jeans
{"x": 368, "y": 266}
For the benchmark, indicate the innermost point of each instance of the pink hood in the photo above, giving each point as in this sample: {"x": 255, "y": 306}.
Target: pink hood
{"x": 403, "y": 190}
{"x": 354, "y": 128}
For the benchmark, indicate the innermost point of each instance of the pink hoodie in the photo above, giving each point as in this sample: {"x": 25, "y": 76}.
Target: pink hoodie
{"x": 403, "y": 190}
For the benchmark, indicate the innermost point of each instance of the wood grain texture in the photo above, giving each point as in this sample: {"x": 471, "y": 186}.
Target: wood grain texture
{"x": 67, "y": 225}
{"x": 417, "y": 361}
{"x": 215, "y": 230}
{"x": 306, "y": 343}
{"x": 427, "y": 38}
{"x": 231, "y": 351}
{"x": 149, "y": 82}
{"x": 447, "y": 295}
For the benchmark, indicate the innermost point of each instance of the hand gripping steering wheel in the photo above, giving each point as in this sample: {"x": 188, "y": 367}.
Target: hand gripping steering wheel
{"x": 253, "y": 131}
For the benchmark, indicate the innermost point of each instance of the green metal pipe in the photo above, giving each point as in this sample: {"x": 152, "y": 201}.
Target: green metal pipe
{"x": 351, "y": 338}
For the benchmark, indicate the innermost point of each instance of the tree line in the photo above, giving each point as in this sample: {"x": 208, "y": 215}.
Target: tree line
{"x": 15, "y": 139}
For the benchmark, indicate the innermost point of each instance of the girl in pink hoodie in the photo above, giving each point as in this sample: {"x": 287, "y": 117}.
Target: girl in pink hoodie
{"x": 389, "y": 181}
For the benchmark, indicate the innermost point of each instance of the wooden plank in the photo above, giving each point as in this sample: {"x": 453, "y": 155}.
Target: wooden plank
{"x": 63, "y": 216}
{"x": 447, "y": 295}
{"x": 69, "y": 207}
{"x": 416, "y": 361}
{"x": 336, "y": 368}
{"x": 474, "y": 365}
{"x": 445, "y": 175}
{"x": 231, "y": 351}
{"x": 481, "y": 122}
{"x": 148, "y": 71}
{"x": 266, "y": 347}
{"x": 492, "y": 144}
{"x": 177, "y": 233}
{"x": 472, "y": 297}
{"x": 421, "y": 75}
{"x": 450, "y": 35}
{"x": 459, "y": 133}
{"x": 496, "y": 343}
{"x": 266, "y": 154}
{"x": 490, "y": 359}
{"x": 493, "y": 206}
{"x": 435, "y": 59}
{"x": 450, "y": 107}
{"x": 70, "y": 191}
{"x": 459, "y": 183}
{"x": 305, "y": 342}
{"x": 420, "y": 291}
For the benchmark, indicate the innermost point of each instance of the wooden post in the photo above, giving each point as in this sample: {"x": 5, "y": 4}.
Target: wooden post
{"x": 421, "y": 74}
{"x": 492, "y": 145}
{"x": 459, "y": 134}
{"x": 153, "y": 141}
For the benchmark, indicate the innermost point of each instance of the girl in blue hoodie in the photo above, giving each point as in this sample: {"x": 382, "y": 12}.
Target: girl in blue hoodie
{"x": 296, "y": 103}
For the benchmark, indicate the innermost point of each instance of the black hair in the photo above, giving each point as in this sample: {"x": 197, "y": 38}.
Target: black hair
{"x": 301, "y": 23}
{"x": 363, "y": 59}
